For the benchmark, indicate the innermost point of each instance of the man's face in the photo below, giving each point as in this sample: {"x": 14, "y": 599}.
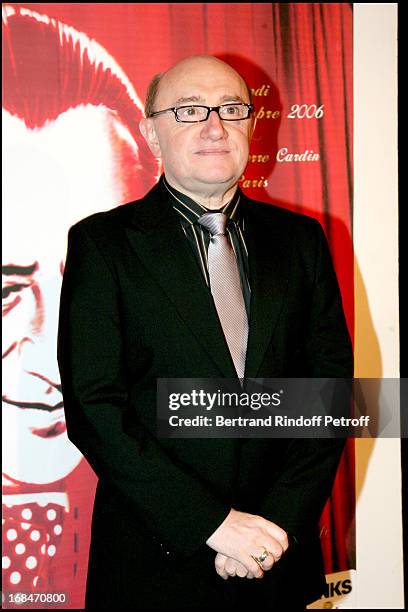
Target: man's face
{"x": 53, "y": 177}
{"x": 208, "y": 157}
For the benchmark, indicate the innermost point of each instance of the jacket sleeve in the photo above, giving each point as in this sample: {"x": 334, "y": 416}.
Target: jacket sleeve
{"x": 296, "y": 499}
{"x": 95, "y": 390}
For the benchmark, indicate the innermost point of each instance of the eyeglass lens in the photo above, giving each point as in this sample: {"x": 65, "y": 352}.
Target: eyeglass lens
{"x": 227, "y": 112}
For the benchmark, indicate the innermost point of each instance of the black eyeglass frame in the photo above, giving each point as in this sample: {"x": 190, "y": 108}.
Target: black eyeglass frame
{"x": 174, "y": 109}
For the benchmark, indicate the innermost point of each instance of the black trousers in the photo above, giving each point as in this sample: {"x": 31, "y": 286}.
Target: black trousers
{"x": 129, "y": 569}
{"x": 230, "y": 596}
{"x": 188, "y": 584}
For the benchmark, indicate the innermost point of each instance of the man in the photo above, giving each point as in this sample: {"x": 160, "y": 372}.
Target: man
{"x": 142, "y": 299}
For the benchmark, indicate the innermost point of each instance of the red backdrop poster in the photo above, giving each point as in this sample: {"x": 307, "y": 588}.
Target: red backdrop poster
{"x": 74, "y": 77}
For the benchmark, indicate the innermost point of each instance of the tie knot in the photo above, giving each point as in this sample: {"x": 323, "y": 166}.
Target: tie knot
{"x": 215, "y": 223}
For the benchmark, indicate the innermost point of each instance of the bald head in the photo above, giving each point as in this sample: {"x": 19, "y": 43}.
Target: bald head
{"x": 203, "y": 158}
{"x": 190, "y": 66}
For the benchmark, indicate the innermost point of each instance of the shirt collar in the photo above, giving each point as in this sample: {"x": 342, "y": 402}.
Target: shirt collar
{"x": 190, "y": 210}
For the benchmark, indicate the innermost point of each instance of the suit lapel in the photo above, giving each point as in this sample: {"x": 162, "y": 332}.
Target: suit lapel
{"x": 155, "y": 234}
{"x": 269, "y": 249}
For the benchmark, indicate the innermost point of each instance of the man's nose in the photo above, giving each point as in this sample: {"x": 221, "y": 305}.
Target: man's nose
{"x": 213, "y": 127}
{"x": 41, "y": 376}
{"x": 38, "y": 357}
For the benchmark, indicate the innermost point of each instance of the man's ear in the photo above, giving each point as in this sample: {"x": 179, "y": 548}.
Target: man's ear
{"x": 148, "y": 131}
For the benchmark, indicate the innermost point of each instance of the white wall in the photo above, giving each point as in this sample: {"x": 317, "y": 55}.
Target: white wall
{"x": 379, "y": 576}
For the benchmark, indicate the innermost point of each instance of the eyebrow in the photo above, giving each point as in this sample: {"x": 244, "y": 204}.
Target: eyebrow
{"x": 13, "y": 270}
{"x": 224, "y": 98}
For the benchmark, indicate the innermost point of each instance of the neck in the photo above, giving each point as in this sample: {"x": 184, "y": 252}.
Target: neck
{"x": 211, "y": 200}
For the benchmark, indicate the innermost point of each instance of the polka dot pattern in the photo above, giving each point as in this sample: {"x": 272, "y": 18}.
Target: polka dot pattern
{"x": 51, "y": 551}
{"x": 31, "y": 563}
{"x": 6, "y": 563}
{"x": 51, "y": 515}
{"x": 20, "y": 549}
{"x": 35, "y": 535}
{"x": 15, "y": 577}
{"x": 11, "y": 535}
{"x": 31, "y": 535}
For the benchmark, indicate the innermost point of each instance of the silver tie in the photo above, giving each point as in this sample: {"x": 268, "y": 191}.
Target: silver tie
{"x": 225, "y": 282}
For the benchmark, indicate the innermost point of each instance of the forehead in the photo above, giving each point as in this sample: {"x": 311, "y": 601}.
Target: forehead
{"x": 61, "y": 163}
{"x": 203, "y": 79}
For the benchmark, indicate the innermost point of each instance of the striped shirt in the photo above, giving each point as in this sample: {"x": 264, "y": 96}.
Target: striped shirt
{"x": 189, "y": 212}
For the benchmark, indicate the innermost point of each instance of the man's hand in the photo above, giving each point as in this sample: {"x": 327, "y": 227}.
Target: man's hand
{"x": 226, "y": 567}
{"x": 242, "y": 535}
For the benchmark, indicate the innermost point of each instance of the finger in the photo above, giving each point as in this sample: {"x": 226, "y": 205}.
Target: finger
{"x": 219, "y": 563}
{"x": 223, "y": 574}
{"x": 241, "y": 570}
{"x": 266, "y": 563}
{"x": 231, "y": 566}
{"x": 253, "y": 567}
{"x": 277, "y": 534}
{"x": 273, "y": 552}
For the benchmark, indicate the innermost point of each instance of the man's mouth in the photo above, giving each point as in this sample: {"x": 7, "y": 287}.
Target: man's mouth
{"x": 49, "y": 431}
{"x": 212, "y": 152}
{"x": 52, "y": 431}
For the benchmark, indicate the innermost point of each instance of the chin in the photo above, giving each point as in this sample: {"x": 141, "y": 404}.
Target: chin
{"x": 215, "y": 175}
{"x": 43, "y": 470}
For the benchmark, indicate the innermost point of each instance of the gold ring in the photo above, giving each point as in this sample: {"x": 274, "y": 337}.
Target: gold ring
{"x": 262, "y": 557}
{"x": 257, "y": 562}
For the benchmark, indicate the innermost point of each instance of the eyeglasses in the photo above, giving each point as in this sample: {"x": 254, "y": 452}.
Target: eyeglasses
{"x": 195, "y": 114}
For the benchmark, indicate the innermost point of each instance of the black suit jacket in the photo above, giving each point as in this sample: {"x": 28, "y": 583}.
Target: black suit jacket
{"x": 135, "y": 307}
